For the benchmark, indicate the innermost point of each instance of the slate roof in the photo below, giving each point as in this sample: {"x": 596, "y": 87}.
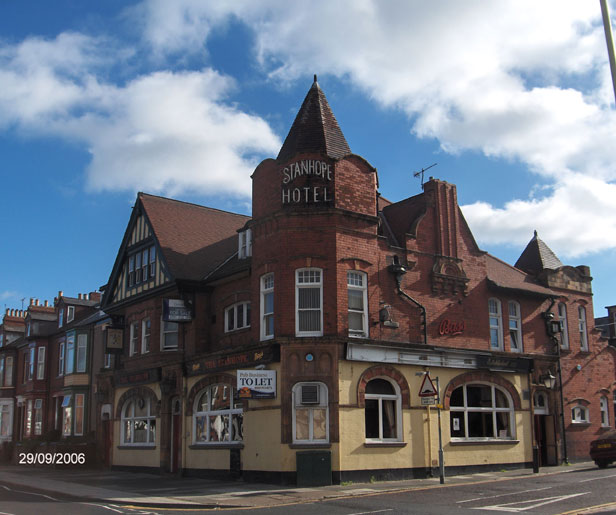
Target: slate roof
{"x": 503, "y": 275}
{"x": 193, "y": 239}
{"x": 537, "y": 256}
{"x": 315, "y": 129}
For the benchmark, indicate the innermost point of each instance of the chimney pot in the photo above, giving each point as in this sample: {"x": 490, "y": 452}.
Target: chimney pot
{"x": 36, "y": 302}
{"x": 46, "y": 303}
{"x": 60, "y": 294}
{"x": 32, "y": 301}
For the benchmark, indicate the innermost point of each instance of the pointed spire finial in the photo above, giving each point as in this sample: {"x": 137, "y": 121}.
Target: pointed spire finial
{"x": 536, "y": 233}
{"x": 315, "y": 77}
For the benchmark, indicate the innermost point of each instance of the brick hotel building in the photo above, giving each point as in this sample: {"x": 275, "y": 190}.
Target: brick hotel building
{"x": 292, "y": 345}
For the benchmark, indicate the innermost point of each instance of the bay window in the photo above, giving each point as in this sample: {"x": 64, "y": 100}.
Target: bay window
{"x": 218, "y": 416}
{"x": 358, "y": 304}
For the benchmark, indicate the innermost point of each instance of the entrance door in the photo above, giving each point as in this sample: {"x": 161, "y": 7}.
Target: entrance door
{"x": 176, "y": 433}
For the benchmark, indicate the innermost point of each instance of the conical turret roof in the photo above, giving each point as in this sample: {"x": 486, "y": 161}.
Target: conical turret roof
{"x": 537, "y": 256}
{"x": 315, "y": 129}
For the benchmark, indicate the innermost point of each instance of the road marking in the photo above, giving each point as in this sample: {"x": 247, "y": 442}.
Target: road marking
{"x": 6, "y": 513}
{"x": 597, "y": 478}
{"x": 366, "y": 512}
{"x": 538, "y": 502}
{"x": 504, "y": 495}
{"x": 101, "y": 506}
{"x": 29, "y": 493}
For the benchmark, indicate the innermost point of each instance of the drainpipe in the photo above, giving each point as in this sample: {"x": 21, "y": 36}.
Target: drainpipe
{"x": 398, "y": 270}
{"x": 549, "y": 316}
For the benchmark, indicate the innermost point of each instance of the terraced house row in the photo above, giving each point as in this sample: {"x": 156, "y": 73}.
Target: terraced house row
{"x": 304, "y": 343}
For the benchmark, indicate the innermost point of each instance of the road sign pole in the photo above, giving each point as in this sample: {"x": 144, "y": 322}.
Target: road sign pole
{"x": 441, "y": 460}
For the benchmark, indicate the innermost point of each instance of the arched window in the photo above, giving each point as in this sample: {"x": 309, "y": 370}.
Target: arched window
{"x": 481, "y": 411}
{"x": 605, "y": 416}
{"x": 218, "y": 416}
{"x": 383, "y": 411}
{"x": 138, "y": 423}
{"x": 582, "y": 326}
{"x": 562, "y": 318}
{"x": 515, "y": 326}
{"x": 358, "y": 303}
{"x": 496, "y": 324}
{"x": 310, "y": 413}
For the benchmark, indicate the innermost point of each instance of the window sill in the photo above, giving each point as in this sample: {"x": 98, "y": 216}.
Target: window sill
{"x": 384, "y": 444}
{"x": 237, "y": 330}
{"x": 136, "y": 447}
{"x": 317, "y": 445}
{"x": 213, "y": 445}
{"x": 484, "y": 442}
{"x": 584, "y": 423}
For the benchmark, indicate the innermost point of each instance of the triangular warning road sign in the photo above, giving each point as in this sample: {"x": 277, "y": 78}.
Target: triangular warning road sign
{"x": 427, "y": 387}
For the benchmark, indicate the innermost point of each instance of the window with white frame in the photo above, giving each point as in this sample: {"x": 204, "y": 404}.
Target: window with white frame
{"x": 481, "y": 412}
{"x": 237, "y": 316}
{"x": 82, "y": 351}
{"x": 138, "y": 423}
{"x": 67, "y": 416}
{"x": 31, "y": 362}
{"x": 134, "y": 338}
{"x": 69, "y": 365}
{"x": 107, "y": 363}
{"x": 79, "y": 413}
{"x": 383, "y": 417}
{"x": 605, "y": 417}
{"x": 146, "y": 327}
{"x": 244, "y": 244}
{"x": 218, "y": 416}
{"x": 70, "y": 313}
{"x": 60, "y": 318}
{"x": 28, "y": 418}
{"x": 310, "y": 413}
{"x": 496, "y": 324}
{"x": 562, "y": 318}
{"x": 515, "y": 326}
{"x": 8, "y": 371}
{"x": 152, "y": 261}
{"x": 6, "y": 421}
{"x": 61, "y": 359}
{"x": 580, "y": 415}
{"x": 540, "y": 403}
{"x": 309, "y": 302}
{"x": 38, "y": 417}
{"x": 169, "y": 335}
{"x": 40, "y": 364}
{"x": 582, "y": 328}
{"x": 358, "y": 303}
{"x": 267, "y": 306}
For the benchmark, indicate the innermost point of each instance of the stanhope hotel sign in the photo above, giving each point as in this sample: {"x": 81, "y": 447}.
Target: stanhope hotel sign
{"x": 307, "y": 193}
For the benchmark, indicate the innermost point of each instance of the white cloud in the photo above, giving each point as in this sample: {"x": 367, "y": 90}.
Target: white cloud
{"x": 579, "y": 211}
{"x": 162, "y": 132}
{"x": 520, "y": 79}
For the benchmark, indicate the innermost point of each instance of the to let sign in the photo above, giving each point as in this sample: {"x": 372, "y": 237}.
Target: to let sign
{"x": 256, "y": 384}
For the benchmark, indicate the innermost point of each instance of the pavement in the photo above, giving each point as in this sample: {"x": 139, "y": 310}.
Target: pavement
{"x": 167, "y": 491}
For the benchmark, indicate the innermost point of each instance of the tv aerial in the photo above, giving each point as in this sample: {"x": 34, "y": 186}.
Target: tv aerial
{"x": 421, "y": 173}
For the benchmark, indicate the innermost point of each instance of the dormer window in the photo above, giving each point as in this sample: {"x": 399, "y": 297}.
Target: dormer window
{"x": 70, "y": 314}
{"x": 245, "y": 244}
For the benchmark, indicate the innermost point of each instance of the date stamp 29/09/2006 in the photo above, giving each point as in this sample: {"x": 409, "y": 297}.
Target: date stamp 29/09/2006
{"x": 52, "y": 458}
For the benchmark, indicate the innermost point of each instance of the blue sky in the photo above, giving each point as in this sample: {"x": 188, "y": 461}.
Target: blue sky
{"x": 99, "y": 100}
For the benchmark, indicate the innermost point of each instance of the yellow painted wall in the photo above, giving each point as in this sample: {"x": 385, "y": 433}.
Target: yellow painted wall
{"x": 420, "y": 428}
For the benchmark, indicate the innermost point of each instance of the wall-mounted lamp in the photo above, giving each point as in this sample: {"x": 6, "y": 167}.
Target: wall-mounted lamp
{"x": 548, "y": 380}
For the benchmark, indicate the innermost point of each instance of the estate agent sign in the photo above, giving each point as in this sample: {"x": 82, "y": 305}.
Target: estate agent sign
{"x": 256, "y": 384}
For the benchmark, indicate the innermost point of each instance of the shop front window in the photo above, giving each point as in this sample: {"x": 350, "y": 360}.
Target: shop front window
{"x": 138, "y": 423}
{"x": 218, "y": 416}
{"x": 382, "y": 412}
{"x": 481, "y": 412}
